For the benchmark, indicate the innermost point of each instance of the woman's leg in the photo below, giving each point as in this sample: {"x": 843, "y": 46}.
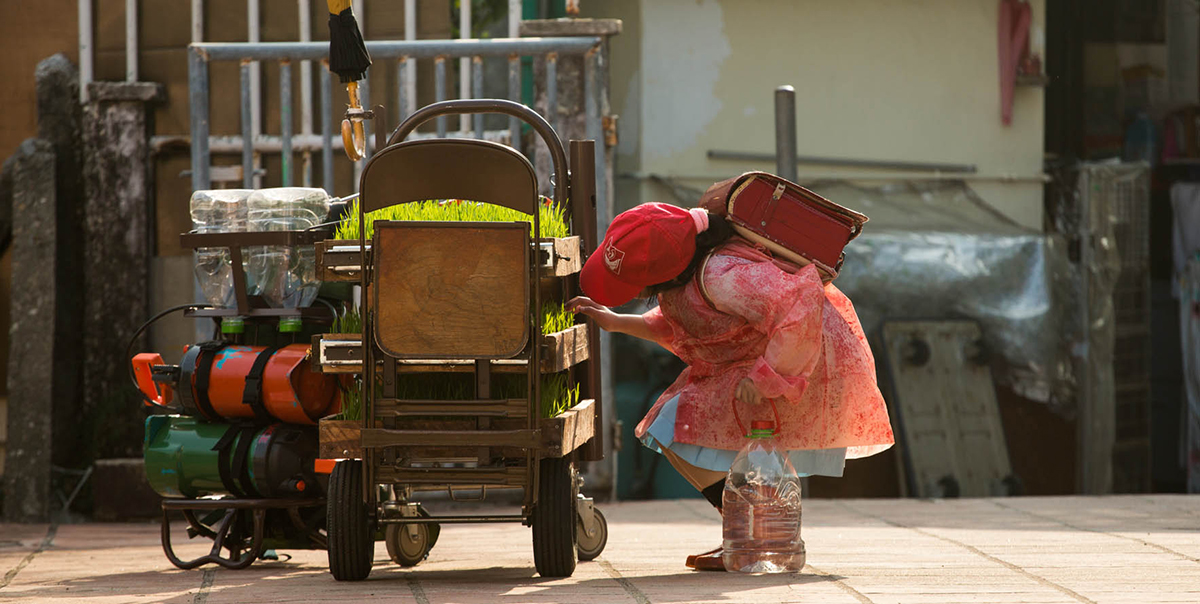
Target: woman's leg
{"x": 711, "y": 484}
{"x": 704, "y": 480}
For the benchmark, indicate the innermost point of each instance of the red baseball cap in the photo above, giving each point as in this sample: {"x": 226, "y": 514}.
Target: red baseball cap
{"x": 647, "y": 245}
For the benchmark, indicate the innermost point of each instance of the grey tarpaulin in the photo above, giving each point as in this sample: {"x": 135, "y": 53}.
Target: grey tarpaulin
{"x": 935, "y": 250}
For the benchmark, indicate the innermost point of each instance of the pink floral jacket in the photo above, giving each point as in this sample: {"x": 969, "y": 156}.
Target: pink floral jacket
{"x": 798, "y": 340}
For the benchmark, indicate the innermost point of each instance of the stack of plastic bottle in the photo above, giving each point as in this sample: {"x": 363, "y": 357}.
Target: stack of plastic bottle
{"x": 285, "y": 277}
{"x": 218, "y": 211}
{"x": 761, "y": 508}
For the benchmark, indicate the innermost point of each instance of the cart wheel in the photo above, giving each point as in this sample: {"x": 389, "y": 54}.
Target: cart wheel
{"x": 590, "y": 546}
{"x": 351, "y": 546}
{"x": 408, "y": 544}
{"x": 554, "y": 548}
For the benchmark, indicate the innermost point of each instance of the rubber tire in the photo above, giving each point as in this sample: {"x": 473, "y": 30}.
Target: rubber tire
{"x": 587, "y": 554}
{"x": 398, "y": 553}
{"x": 555, "y": 552}
{"x": 351, "y": 543}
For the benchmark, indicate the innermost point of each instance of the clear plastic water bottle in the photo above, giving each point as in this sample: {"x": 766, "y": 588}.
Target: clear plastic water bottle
{"x": 761, "y": 508}
{"x": 284, "y": 277}
{"x": 217, "y": 211}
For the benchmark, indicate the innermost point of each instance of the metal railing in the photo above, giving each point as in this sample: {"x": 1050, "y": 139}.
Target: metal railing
{"x": 401, "y": 56}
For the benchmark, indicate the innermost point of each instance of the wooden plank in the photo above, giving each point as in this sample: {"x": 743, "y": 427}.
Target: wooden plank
{"x": 564, "y": 349}
{"x": 568, "y": 257}
{"x": 568, "y": 431}
{"x": 340, "y": 439}
{"x": 451, "y": 290}
{"x": 373, "y": 438}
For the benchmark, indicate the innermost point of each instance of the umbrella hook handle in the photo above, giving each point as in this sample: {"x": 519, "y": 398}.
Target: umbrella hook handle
{"x": 354, "y": 138}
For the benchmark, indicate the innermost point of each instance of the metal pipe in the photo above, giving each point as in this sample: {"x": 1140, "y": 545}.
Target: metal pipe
{"x": 131, "y": 40}
{"x": 410, "y": 71}
{"x": 304, "y": 7}
{"x": 593, "y": 105}
{"x": 364, "y": 91}
{"x": 198, "y": 99}
{"x": 845, "y": 161}
{"x": 464, "y": 63}
{"x": 516, "y": 110}
{"x": 86, "y": 49}
{"x": 439, "y": 91}
{"x": 327, "y": 128}
{"x": 514, "y": 94}
{"x": 401, "y": 97}
{"x": 862, "y": 176}
{"x": 477, "y": 76}
{"x": 394, "y": 49}
{"x": 785, "y": 132}
{"x": 285, "y": 122}
{"x": 272, "y": 144}
{"x": 197, "y": 21}
{"x": 552, "y": 89}
{"x": 253, "y": 35}
{"x": 514, "y": 18}
{"x": 452, "y": 519}
{"x": 247, "y": 129}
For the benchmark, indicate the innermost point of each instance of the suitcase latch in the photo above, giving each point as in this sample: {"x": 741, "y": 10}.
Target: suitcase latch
{"x": 779, "y": 189}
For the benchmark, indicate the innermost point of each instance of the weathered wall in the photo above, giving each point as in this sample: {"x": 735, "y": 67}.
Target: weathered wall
{"x": 911, "y": 81}
{"x": 32, "y": 31}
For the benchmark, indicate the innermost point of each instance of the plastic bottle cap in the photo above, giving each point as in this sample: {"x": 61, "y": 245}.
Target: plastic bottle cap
{"x": 233, "y": 325}
{"x": 290, "y": 324}
{"x": 762, "y": 424}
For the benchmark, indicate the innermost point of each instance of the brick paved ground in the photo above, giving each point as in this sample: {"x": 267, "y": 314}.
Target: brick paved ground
{"x": 1072, "y": 549}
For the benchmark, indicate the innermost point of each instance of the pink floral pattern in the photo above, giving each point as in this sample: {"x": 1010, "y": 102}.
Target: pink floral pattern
{"x": 798, "y": 340}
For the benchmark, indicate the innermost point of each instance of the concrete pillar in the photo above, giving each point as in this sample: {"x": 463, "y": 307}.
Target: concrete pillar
{"x": 31, "y": 342}
{"x": 569, "y": 119}
{"x": 118, "y": 219}
{"x": 59, "y": 115}
{"x": 571, "y": 115}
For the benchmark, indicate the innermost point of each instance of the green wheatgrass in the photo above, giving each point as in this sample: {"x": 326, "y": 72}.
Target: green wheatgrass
{"x": 552, "y": 216}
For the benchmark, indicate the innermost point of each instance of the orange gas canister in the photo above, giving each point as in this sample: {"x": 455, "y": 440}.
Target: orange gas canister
{"x": 254, "y": 382}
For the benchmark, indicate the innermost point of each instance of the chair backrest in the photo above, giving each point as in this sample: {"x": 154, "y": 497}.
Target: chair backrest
{"x": 447, "y": 290}
{"x": 449, "y": 169}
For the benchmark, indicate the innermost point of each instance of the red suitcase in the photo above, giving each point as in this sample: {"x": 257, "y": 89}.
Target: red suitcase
{"x": 791, "y": 221}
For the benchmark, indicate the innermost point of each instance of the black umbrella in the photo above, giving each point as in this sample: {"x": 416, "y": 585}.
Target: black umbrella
{"x": 349, "y": 59}
{"x": 348, "y": 56}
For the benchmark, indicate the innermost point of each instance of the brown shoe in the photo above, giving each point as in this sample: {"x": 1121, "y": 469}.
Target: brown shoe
{"x": 710, "y": 560}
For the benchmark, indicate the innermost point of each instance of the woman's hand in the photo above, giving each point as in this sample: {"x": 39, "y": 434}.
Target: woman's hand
{"x": 605, "y": 318}
{"x": 747, "y": 392}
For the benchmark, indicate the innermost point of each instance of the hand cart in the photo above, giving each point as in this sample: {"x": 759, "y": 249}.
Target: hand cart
{"x": 463, "y": 297}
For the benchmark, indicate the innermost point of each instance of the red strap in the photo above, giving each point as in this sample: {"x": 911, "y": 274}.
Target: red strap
{"x": 742, "y": 426}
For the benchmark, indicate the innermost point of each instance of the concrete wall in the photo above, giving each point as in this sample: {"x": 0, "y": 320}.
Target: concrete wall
{"x": 875, "y": 79}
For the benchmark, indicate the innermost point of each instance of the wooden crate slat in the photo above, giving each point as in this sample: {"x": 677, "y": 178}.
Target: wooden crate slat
{"x": 568, "y": 431}
{"x": 568, "y": 257}
{"x": 564, "y": 349}
{"x": 340, "y": 439}
{"x": 373, "y": 438}
{"x": 334, "y": 353}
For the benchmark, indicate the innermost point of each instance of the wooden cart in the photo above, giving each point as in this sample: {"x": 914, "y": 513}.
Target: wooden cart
{"x": 462, "y": 297}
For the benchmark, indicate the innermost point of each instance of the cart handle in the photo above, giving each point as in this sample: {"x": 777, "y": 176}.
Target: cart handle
{"x": 511, "y": 108}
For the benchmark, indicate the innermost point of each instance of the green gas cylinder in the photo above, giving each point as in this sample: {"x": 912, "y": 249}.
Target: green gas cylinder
{"x": 187, "y": 457}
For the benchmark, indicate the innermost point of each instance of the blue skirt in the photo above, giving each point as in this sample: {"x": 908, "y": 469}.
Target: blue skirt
{"x": 661, "y": 435}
